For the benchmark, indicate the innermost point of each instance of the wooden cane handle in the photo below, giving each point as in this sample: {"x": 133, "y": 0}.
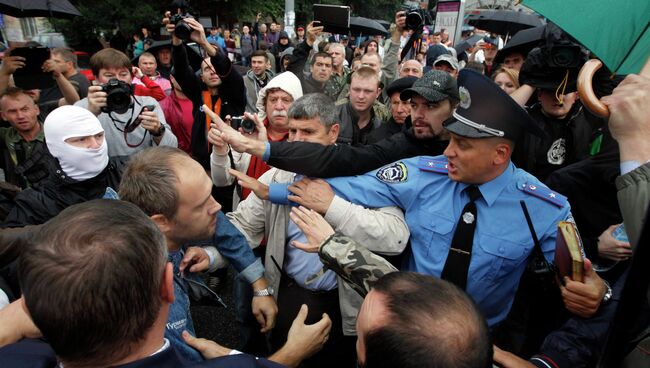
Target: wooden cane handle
{"x": 586, "y": 90}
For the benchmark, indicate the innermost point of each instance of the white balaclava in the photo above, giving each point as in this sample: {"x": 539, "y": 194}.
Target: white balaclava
{"x": 73, "y": 121}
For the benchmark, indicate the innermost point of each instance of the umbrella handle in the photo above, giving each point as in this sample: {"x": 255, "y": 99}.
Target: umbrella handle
{"x": 586, "y": 90}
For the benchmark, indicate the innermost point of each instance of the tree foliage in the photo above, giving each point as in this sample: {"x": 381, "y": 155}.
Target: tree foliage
{"x": 100, "y": 18}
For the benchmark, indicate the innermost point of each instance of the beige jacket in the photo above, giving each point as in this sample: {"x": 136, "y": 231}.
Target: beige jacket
{"x": 381, "y": 230}
{"x": 219, "y": 166}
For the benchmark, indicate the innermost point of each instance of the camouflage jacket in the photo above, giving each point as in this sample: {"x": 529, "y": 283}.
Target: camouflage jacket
{"x": 359, "y": 267}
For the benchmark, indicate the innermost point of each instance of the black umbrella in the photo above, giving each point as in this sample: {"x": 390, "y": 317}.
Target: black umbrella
{"x": 504, "y": 22}
{"x": 384, "y": 23}
{"x": 467, "y": 43}
{"x": 367, "y": 27}
{"x": 522, "y": 42}
{"x": 38, "y": 8}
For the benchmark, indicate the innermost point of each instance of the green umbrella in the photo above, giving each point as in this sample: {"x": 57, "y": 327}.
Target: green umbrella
{"x": 615, "y": 31}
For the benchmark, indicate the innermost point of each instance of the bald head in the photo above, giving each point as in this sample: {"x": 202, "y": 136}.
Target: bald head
{"x": 411, "y": 68}
{"x": 372, "y": 60}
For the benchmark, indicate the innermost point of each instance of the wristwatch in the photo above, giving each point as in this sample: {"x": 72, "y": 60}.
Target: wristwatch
{"x": 264, "y": 292}
{"x": 160, "y": 131}
{"x": 608, "y": 294}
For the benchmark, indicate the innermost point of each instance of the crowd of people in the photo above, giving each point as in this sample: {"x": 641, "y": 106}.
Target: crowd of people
{"x": 377, "y": 211}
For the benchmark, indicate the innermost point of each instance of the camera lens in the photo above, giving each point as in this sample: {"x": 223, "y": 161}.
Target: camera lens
{"x": 182, "y": 30}
{"x": 563, "y": 57}
{"x": 248, "y": 126}
{"x": 413, "y": 20}
{"x": 118, "y": 96}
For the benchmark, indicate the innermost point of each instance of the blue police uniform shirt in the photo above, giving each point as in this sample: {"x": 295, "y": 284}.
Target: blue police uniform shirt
{"x": 432, "y": 203}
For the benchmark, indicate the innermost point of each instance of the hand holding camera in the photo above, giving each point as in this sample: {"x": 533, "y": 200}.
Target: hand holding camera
{"x": 400, "y": 21}
{"x": 114, "y": 96}
{"x": 54, "y": 68}
{"x": 11, "y": 63}
{"x": 314, "y": 29}
{"x": 96, "y": 99}
{"x": 149, "y": 121}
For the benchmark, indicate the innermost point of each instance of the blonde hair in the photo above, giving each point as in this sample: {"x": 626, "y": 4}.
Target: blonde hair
{"x": 513, "y": 74}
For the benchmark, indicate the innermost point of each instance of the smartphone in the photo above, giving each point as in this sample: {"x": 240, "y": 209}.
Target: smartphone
{"x": 333, "y": 18}
{"x": 136, "y": 123}
{"x": 32, "y": 76}
{"x": 620, "y": 234}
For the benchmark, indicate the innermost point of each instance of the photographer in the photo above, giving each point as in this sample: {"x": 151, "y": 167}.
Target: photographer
{"x": 219, "y": 86}
{"x": 132, "y": 123}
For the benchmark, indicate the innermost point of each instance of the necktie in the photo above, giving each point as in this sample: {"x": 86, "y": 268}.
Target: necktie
{"x": 460, "y": 252}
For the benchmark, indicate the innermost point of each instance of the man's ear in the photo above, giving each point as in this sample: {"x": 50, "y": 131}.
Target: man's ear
{"x": 163, "y": 223}
{"x": 334, "y": 133}
{"x": 502, "y": 153}
{"x": 167, "y": 285}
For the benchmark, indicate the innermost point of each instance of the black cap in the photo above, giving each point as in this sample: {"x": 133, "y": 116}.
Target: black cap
{"x": 486, "y": 111}
{"x": 434, "y": 86}
{"x": 398, "y": 85}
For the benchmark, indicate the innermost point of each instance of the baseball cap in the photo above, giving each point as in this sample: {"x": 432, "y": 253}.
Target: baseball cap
{"x": 434, "y": 86}
{"x": 449, "y": 59}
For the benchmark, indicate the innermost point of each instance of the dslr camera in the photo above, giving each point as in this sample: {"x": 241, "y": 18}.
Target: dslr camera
{"x": 182, "y": 30}
{"x": 417, "y": 17}
{"x": 247, "y": 125}
{"x": 118, "y": 96}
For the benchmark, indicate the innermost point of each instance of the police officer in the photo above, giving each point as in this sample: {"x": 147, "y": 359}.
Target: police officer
{"x": 462, "y": 207}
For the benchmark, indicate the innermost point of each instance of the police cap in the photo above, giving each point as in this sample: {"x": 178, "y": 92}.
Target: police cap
{"x": 485, "y": 111}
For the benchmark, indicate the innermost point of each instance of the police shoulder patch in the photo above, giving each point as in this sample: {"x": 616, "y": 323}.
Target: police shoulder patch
{"x": 437, "y": 166}
{"x": 393, "y": 173}
{"x": 544, "y": 193}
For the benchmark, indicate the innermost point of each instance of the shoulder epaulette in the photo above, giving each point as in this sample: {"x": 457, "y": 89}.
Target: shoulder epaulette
{"x": 437, "y": 166}
{"x": 544, "y": 193}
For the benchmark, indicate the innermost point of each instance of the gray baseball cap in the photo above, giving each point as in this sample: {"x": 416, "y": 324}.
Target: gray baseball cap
{"x": 434, "y": 86}
{"x": 449, "y": 59}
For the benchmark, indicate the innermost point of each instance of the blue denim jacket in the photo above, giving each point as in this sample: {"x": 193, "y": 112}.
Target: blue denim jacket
{"x": 179, "y": 318}
{"x": 232, "y": 245}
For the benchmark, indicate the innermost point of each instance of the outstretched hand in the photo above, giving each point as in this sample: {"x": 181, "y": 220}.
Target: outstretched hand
{"x": 303, "y": 340}
{"x": 313, "y": 225}
{"x": 260, "y": 190}
{"x": 238, "y": 142}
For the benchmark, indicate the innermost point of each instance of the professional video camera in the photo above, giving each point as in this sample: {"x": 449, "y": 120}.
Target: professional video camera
{"x": 180, "y": 12}
{"x": 561, "y": 51}
{"x": 118, "y": 96}
{"x": 555, "y": 63}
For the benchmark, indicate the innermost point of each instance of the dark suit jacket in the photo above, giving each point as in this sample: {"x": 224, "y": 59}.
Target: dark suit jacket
{"x": 38, "y": 354}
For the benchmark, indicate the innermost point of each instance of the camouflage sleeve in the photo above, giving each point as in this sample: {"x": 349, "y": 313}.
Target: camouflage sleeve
{"x": 358, "y": 266}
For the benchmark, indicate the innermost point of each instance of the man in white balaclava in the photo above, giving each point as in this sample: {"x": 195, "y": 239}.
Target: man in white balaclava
{"x": 80, "y": 169}
{"x": 75, "y": 138}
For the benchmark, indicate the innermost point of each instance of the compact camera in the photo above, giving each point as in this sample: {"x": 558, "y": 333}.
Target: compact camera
{"x": 247, "y": 125}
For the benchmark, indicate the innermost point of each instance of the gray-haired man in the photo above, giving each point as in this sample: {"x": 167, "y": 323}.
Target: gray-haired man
{"x": 298, "y": 276}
